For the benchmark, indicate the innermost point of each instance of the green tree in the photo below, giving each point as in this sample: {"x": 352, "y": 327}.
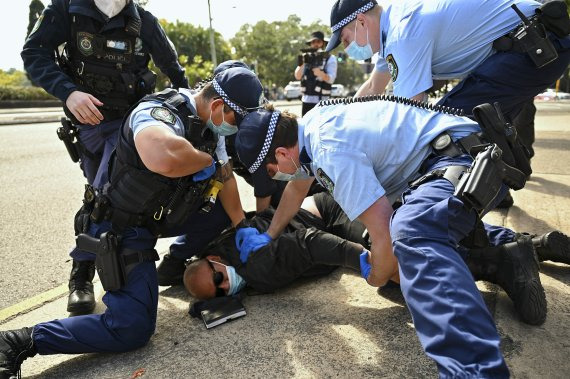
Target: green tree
{"x": 13, "y": 77}
{"x": 273, "y": 49}
{"x": 36, "y": 9}
{"x": 193, "y": 46}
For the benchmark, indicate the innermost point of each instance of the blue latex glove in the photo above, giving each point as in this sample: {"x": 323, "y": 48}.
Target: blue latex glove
{"x": 365, "y": 267}
{"x": 205, "y": 173}
{"x": 250, "y": 243}
{"x": 242, "y": 234}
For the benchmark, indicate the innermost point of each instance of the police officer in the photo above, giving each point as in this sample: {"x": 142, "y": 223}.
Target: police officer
{"x": 355, "y": 151}
{"x": 158, "y": 179}
{"x": 476, "y": 41}
{"x": 317, "y": 74}
{"x": 172, "y": 266}
{"x": 101, "y": 74}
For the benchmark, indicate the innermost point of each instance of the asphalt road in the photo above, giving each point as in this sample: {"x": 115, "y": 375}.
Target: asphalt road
{"x": 41, "y": 189}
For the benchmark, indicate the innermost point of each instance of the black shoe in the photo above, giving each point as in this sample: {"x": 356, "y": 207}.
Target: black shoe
{"x": 171, "y": 271}
{"x": 81, "y": 297}
{"x": 553, "y": 246}
{"x": 517, "y": 274}
{"x": 15, "y": 347}
{"x": 507, "y": 201}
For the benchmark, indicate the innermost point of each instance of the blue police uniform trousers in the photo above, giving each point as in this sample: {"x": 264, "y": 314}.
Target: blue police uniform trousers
{"x": 451, "y": 319}
{"x": 130, "y": 318}
{"x": 99, "y": 141}
{"x": 510, "y": 78}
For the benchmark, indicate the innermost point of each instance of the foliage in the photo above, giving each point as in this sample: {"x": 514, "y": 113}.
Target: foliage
{"x": 36, "y": 9}
{"x": 23, "y": 93}
{"x": 193, "y": 46}
{"x": 13, "y": 77}
{"x": 272, "y": 48}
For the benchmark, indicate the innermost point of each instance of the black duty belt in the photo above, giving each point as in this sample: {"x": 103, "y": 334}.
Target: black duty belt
{"x": 450, "y": 173}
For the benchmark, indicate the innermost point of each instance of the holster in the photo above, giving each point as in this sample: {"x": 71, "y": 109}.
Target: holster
{"x": 113, "y": 263}
{"x": 497, "y": 130}
{"x": 68, "y": 133}
{"x": 484, "y": 179}
{"x": 106, "y": 249}
{"x": 554, "y": 16}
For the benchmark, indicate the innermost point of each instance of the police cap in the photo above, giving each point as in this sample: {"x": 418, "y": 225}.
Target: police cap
{"x": 229, "y": 64}
{"x": 240, "y": 89}
{"x": 254, "y": 138}
{"x": 342, "y": 13}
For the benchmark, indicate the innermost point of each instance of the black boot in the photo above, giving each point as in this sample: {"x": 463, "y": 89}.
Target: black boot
{"x": 171, "y": 271}
{"x": 514, "y": 267}
{"x": 81, "y": 297}
{"x": 553, "y": 246}
{"x": 15, "y": 347}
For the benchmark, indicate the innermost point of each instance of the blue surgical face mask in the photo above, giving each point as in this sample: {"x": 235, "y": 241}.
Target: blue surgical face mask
{"x": 224, "y": 129}
{"x": 299, "y": 174}
{"x": 357, "y": 52}
{"x": 236, "y": 281}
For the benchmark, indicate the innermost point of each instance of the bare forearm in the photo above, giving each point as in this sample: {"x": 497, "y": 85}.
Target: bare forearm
{"x": 289, "y": 205}
{"x": 299, "y": 71}
{"x": 229, "y": 196}
{"x": 376, "y": 84}
{"x": 262, "y": 203}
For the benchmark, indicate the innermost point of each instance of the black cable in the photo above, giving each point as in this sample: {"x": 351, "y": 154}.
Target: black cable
{"x": 395, "y": 99}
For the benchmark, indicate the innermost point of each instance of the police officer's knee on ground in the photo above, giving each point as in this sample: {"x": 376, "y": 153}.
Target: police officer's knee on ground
{"x": 159, "y": 177}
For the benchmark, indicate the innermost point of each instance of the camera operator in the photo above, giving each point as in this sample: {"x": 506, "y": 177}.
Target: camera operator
{"x": 316, "y": 70}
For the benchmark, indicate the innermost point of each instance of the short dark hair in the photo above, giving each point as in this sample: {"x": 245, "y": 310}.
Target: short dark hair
{"x": 208, "y": 92}
{"x": 286, "y": 133}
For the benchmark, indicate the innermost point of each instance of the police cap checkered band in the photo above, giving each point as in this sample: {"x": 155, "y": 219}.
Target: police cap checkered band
{"x": 266, "y": 143}
{"x": 365, "y": 8}
{"x": 243, "y": 112}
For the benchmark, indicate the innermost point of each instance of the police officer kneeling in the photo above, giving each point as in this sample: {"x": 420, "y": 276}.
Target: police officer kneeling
{"x": 160, "y": 176}
{"x": 365, "y": 151}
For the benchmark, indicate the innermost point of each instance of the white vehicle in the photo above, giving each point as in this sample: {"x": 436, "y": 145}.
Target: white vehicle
{"x": 293, "y": 90}
{"x": 338, "y": 90}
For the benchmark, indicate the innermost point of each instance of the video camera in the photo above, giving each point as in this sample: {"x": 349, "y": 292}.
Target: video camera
{"x": 311, "y": 57}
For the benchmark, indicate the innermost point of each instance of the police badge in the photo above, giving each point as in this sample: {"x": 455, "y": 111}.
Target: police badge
{"x": 325, "y": 180}
{"x": 85, "y": 43}
{"x": 163, "y": 114}
{"x": 392, "y": 67}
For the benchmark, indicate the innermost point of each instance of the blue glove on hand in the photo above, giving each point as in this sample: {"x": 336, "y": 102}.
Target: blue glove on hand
{"x": 249, "y": 241}
{"x": 365, "y": 267}
{"x": 205, "y": 173}
{"x": 242, "y": 234}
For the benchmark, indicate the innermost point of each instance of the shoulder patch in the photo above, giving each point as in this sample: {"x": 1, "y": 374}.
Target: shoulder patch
{"x": 163, "y": 114}
{"x": 392, "y": 67}
{"x": 325, "y": 180}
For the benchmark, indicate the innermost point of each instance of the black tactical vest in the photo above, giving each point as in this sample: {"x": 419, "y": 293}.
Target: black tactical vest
{"x": 309, "y": 83}
{"x": 140, "y": 197}
{"x": 111, "y": 65}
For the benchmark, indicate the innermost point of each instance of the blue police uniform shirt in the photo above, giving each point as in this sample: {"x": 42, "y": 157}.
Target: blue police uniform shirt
{"x": 330, "y": 70}
{"x": 444, "y": 39}
{"x": 363, "y": 151}
{"x": 141, "y": 119}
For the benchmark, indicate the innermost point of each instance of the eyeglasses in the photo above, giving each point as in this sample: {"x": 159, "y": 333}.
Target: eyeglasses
{"x": 218, "y": 278}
